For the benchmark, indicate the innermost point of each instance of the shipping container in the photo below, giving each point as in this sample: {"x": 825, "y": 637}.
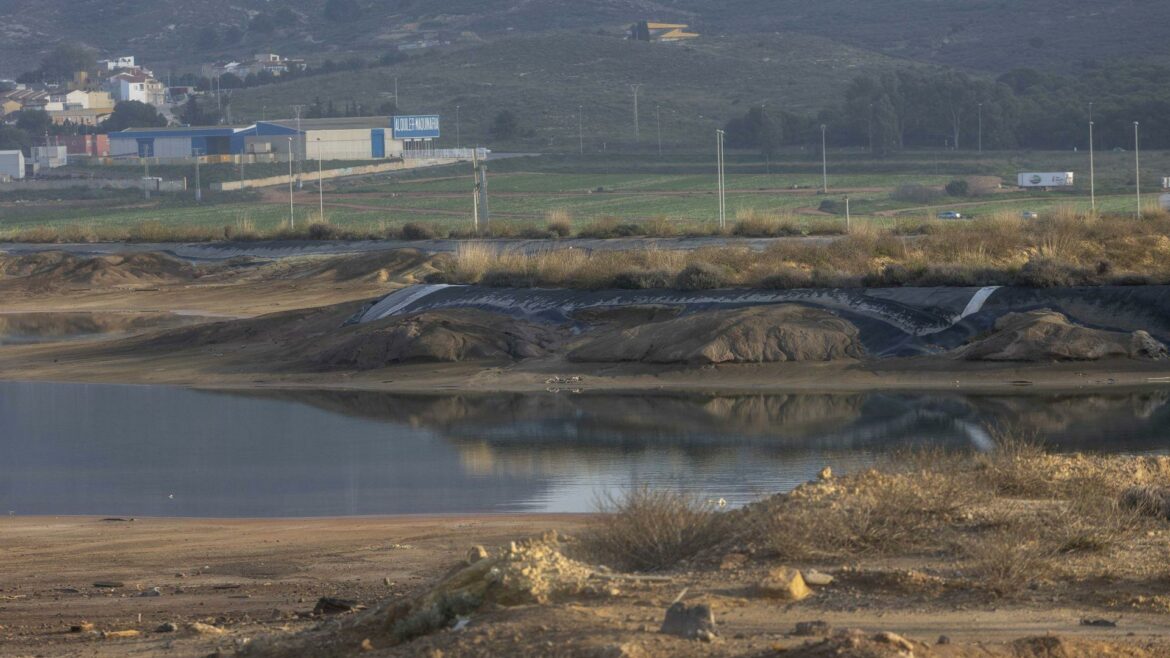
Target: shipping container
{"x": 1045, "y": 179}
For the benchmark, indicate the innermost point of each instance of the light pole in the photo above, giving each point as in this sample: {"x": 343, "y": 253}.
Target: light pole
{"x": 320, "y": 184}
{"x": 824, "y": 163}
{"x": 291, "y": 216}
{"x": 198, "y": 186}
{"x": 720, "y": 181}
{"x": 1092, "y": 168}
{"x": 1137, "y": 166}
{"x": 458, "y": 140}
{"x": 580, "y": 133}
{"x": 981, "y": 127}
{"x": 637, "y": 136}
{"x": 658, "y": 126}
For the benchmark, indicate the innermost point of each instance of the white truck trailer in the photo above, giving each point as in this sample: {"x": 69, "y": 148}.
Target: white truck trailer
{"x": 1045, "y": 179}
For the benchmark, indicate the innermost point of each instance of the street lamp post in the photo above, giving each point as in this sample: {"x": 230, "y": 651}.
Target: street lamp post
{"x": 824, "y": 162}
{"x": 1137, "y": 166}
{"x": 981, "y": 127}
{"x": 637, "y": 136}
{"x": 720, "y": 181}
{"x": 291, "y": 216}
{"x": 458, "y": 140}
{"x": 320, "y": 184}
{"x": 658, "y": 126}
{"x": 580, "y": 132}
{"x": 198, "y": 186}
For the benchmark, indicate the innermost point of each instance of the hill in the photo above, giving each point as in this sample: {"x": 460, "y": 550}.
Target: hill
{"x": 991, "y": 35}
{"x": 544, "y": 79}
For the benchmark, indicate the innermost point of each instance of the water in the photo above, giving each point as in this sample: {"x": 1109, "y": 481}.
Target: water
{"x": 144, "y": 450}
{"x": 24, "y": 328}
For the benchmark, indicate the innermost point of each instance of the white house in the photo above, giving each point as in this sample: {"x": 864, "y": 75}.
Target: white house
{"x": 117, "y": 63}
{"x": 137, "y": 87}
{"x": 72, "y": 100}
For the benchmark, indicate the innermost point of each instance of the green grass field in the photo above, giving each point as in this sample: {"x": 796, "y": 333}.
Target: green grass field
{"x": 526, "y": 192}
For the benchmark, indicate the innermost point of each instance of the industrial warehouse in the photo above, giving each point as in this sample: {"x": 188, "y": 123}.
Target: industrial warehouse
{"x": 356, "y": 138}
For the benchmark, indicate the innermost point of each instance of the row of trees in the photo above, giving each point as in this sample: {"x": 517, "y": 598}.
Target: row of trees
{"x": 945, "y": 108}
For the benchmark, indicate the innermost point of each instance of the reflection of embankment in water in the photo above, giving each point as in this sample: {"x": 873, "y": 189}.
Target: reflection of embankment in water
{"x": 777, "y": 423}
{"x": 21, "y": 328}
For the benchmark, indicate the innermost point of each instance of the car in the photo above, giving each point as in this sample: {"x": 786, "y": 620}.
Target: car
{"x": 1029, "y": 214}
{"x": 950, "y": 214}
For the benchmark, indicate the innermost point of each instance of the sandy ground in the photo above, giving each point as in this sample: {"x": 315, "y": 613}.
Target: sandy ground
{"x": 252, "y": 578}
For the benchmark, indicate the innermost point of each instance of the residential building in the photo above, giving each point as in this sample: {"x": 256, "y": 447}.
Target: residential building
{"x": 265, "y": 62}
{"x": 139, "y": 87}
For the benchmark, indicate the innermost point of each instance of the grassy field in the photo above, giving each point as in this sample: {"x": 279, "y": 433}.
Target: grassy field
{"x": 676, "y": 194}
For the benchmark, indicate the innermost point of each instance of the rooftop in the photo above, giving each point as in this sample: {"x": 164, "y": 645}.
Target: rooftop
{"x": 338, "y": 123}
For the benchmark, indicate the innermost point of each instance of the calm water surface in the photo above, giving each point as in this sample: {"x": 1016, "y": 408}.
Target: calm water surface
{"x": 144, "y": 450}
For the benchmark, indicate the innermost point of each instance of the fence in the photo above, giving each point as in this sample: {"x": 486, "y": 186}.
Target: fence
{"x": 310, "y": 175}
{"x": 445, "y": 154}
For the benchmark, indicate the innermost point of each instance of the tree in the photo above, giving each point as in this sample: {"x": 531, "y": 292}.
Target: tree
{"x": 133, "y": 114}
{"x": 232, "y": 36}
{"x": 65, "y": 60}
{"x": 34, "y": 122}
{"x": 262, "y": 24}
{"x": 505, "y": 125}
{"x": 284, "y": 17}
{"x": 193, "y": 113}
{"x": 387, "y": 108}
{"x": 13, "y": 138}
{"x": 342, "y": 11}
{"x": 207, "y": 38}
{"x": 886, "y": 138}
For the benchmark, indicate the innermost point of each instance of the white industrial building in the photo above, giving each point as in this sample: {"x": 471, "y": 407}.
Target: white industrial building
{"x": 50, "y": 157}
{"x": 11, "y": 164}
{"x": 355, "y": 138}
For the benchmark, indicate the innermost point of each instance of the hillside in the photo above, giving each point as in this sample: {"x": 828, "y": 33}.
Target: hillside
{"x": 544, "y": 79}
{"x": 993, "y": 35}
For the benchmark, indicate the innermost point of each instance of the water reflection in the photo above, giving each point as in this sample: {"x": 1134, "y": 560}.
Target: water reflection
{"x": 23, "y": 328}
{"x": 100, "y": 449}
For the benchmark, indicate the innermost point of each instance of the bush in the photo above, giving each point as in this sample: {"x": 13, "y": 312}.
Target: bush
{"x": 916, "y": 194}
{"x": 416, "y": 231}
{"x": 610, "y": 227}
{"x": 701, "y": 276}
{"x": 787, "y": 278}
{"x": 641, "y": 280}
{"x": 323, "y": 231}
{"x": 560, "y": 223}
{"x": 507, "y": 279}
{"x": 832, "y": 206}
{"x": 648, "y": 530}
{"x": 957, "y": 187}
{"x": 1041, "y": 272}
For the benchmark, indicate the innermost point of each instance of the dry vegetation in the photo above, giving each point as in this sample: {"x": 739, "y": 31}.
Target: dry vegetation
{"x": 996, "y": 523}
{"x": 1063, "y": 250}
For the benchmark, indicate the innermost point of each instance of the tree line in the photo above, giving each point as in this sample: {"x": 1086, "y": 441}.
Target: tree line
{"x": 941, "y": 108}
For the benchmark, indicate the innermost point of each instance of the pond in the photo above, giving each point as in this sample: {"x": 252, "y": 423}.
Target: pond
{"x": 163, "y": 451}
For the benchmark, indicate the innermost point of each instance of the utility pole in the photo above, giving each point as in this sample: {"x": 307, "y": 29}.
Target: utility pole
{"x": 475, "y": 191}
{"x": 580, "y": 132}
{"x": 1092, "y": 169}
{"x": 320, "y": 183}
{"x": 458, "y": 139}
{"x": 300, "y": 145}
{"x": 292, "y": 220}
{"x": 396, "y": 105}
{"x": 981, "y": 127}
{"x": 636, "y": 87}
{"x": 1137, "y": 165}
{"x": 848, "y": 222}
{"x": 658, "y": 125}
{"x": 824, "y": 163}
{"x": 720, "y": 182}
{"x": 198, "y": 186}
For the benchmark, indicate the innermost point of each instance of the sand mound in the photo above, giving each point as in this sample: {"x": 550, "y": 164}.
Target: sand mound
{"x": 406, "y": 265}
{"x": 1049, "y": 336}
{"x": 444, "y": 336}
{"x": 58, "y": 269}
{"x": 761, "y": 334}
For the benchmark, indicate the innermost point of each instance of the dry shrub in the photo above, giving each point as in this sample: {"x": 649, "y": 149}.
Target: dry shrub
{"x": 660, "y": 227}
{"x": 610, "y": 227}
{"x": 648, "y": 530}
{"x": 701, "y": 276}
{"x": 1006, "y": 560}
{"x": 1018, "y": 466}
{"x": 560, "y": 222}
{"x": 417, "y": 231}
{"x": 37, "y": 234}
{"x": 78, "y": 233}
{"x": 758, "y": 224}
{"x": 879, "y": 513}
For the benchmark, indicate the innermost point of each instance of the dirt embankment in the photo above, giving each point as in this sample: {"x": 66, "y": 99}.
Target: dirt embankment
{"x": 56, "y": 269}
{"x": 1038, "y": 336}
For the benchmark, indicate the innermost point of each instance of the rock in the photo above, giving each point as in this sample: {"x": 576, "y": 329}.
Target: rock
{"x": 328, "y": 605}
{"x": 1046, "y": 335}
{"x": 943, "y": 639}
{"x": 733, "y": 561}
{"x": 366, "y": 645}
{"x": 168, "y": 627}
{"x": 825, "y": 474}
{"x": 784, "y": 583}
{"x": 623, "y": 650}
{"x": 691, "y": 622}
{"x": 476, "y": 554}
{"x": 1094, "y": 621}
{"x": 153, "y": 591}
{"x": 83, "y": 627}
{"x": 199, "y": 628}
{"x": 894, "y": 640}
{"x": 810, "y": 628}
{"x": 762, "y": 334}
{"x": 814, "y": 577}
{"x": 109, "y": 584}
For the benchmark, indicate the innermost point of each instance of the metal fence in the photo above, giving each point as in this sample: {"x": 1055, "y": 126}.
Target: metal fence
{"x": 446, "y": 154}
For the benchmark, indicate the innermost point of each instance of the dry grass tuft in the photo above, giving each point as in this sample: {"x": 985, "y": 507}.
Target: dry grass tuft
{"x": 648, "y": 530}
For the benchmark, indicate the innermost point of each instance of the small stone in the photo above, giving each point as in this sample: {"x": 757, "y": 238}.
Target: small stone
{"x": 476, "y": 554}
{"x": 686, "y": 621}
{"x": 733, "y": 561}
{"x": 153, "y": 591}
{"x": 83, "y": 627}
{"x": 784, "y": 583}
{"x": 114, "y": 635}
{"x": 944, "y": 639}
{"x": 366, "y": 645}
{"x": 328, "y": 605}
{"x": 811, "y": 628}
{"x": 623, "y": 650}
{"x": 109, "y": 584}
{"x": 814, "y": 577}
{"x": 166, "y": 628}
{"x": 387, "y": 582}
{"x": 704, "y": 635}
{"x": 825, "y": 474}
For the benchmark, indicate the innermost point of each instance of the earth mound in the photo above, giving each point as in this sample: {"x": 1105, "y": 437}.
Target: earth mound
{"x": 438, "y": 336}
{"x": 763, "y": 334}
{"x": 55, "y": 269}
{"x": 1049, "y": 336}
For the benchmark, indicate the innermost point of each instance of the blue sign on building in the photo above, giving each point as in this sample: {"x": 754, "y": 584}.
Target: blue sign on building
{"x": 424, "y": 126}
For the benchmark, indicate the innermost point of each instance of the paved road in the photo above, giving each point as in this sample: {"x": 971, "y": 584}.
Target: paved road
{"x": 275, "y": 249}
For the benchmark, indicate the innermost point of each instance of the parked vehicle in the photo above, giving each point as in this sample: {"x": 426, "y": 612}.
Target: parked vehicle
{"x": 1029, "y": 214}
{"x": 950, "y": 214}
